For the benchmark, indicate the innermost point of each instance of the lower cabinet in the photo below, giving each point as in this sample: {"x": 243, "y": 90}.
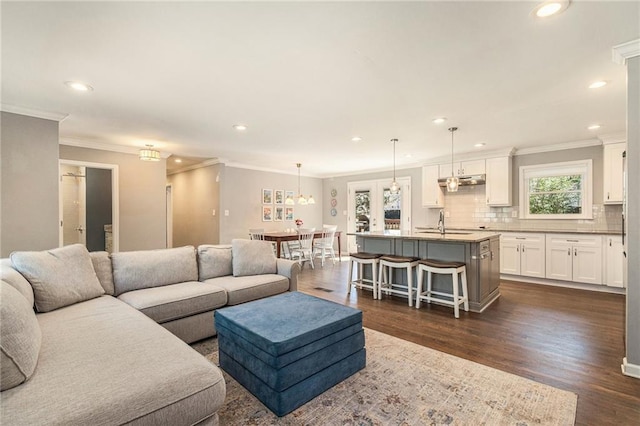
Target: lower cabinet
{"x": 614, "y": 261}
{"x": 574, "y": 258}
{"x": 522, "y": 254}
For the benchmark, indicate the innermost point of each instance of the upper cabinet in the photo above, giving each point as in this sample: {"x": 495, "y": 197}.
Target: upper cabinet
{"x": 432, "y": 195}
{"x": 499, "y": 181}
{"x": 612, "y": 181}
{"x": 463, "y": 168}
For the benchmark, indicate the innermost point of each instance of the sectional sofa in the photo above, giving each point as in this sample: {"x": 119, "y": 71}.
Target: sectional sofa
{"x": 93, "y": 338}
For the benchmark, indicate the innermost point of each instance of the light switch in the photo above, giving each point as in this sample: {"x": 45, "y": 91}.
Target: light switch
{"x": 226, "y": 212}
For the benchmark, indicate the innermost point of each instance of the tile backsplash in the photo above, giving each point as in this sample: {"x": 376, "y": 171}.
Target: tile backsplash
{"x": 467, "y": 208}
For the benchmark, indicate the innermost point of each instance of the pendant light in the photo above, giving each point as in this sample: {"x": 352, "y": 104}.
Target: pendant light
{"x": 301, "y": 199}
{"x": 395, "y": 187}
{"x": 149, "y": 154}
{"x": 452, "y": 182}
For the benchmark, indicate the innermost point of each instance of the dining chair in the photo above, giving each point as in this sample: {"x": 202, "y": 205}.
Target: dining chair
{"x": 305, "y": 251}
{"x": 323, "y": 246}
{"x": 256, "y": 234}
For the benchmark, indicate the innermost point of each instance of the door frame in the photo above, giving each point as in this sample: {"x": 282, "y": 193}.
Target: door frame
{"x": 169, "y": 213}
{"x": 115, "y": 198}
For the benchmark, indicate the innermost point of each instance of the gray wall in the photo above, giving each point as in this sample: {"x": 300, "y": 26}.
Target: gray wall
{"x": 241, "y": 194}
{"x": 29, "y": 183}
{"x": 196, "y": 193}
{"x": 633, "y": 209}
{"x": 99, "y": 206}
{"x": 142, "y": 195}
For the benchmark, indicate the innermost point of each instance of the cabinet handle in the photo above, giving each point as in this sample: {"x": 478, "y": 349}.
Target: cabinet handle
{"x": 573, "y": 241}
{"x": 487, "y": 201}
{"x": 569, "y": 251}
{"x": 607, "y": 195}
{"x": 575, "y": 251}
{"x": 609, "y": 242}
{"x": 523, "y": 248}
{"x": 521, "y": 238}
{"x": 518, "y": 249}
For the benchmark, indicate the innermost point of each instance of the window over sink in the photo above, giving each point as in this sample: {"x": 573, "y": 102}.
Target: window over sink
{"x": 557, "y": 190}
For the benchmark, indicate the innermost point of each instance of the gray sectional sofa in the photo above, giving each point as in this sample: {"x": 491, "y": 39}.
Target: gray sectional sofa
{"x": 89, "y": 338}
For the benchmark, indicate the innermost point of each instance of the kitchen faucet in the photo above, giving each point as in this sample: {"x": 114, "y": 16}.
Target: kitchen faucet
{"x": 441, "y": 222}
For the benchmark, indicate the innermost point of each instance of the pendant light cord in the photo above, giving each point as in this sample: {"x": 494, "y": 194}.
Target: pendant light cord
{"x": 452, "y": 129}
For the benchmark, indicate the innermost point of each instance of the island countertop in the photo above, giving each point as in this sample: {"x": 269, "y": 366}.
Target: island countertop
{"x": 432, "y": 235}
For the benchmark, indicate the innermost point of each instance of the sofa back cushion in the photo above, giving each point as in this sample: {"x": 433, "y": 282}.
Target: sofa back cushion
{"x": 20, "y": 337}
{"x": 16, "y": 279}
{"x": 102, "y": 265}
{"x": 252, "y": 257}
{"x": 214, "y": 261}
{"x": 59, "y": 277}
{"x": 134, "y": 270}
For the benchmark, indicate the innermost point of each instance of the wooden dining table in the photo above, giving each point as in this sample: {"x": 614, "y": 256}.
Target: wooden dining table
{"x": 281, "y": 236}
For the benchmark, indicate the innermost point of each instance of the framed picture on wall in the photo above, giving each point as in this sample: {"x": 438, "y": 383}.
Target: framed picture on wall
{"x": 288, "y": 213}
{"x": 288, "y": 195}
{"x": 267, "y": 196}
{"x": 267, "y": 213}
{"x": 278, "y": 215}
{"x": 278, "y": 196}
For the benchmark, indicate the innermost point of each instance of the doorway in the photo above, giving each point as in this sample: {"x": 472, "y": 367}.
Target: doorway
{"x": 88, "y": 200}
{"x": 372, "y": 207}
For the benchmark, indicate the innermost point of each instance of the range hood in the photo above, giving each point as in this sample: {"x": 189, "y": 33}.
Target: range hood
{"x": 466, "y": 180}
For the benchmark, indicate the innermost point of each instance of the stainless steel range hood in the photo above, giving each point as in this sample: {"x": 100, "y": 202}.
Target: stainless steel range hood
{"x": 466, "y": 180}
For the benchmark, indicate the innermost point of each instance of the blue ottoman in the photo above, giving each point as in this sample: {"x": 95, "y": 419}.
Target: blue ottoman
{"x": 288, "y": 349}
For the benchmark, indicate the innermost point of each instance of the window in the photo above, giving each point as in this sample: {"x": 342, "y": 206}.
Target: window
{"x": 556, "y": 191}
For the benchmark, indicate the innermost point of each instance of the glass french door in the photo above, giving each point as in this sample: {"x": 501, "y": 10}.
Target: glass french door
{"x": 372, "y": 207}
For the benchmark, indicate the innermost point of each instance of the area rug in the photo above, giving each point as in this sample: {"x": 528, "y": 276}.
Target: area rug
{"x": 408, "y": 384}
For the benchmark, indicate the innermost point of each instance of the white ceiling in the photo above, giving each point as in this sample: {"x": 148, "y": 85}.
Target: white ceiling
{"x": 307, "y": 77}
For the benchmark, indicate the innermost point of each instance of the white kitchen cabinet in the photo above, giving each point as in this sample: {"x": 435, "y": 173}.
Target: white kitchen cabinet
{"x": 432, "y": 195}
{"x": 463, "y": 168}
{"x": 499, "y": 181}
{"x": 522, "y": 254}
{"x": 612, "y": 181}
{"x": 614, "y": 261}
{"x": 574, "y": 258}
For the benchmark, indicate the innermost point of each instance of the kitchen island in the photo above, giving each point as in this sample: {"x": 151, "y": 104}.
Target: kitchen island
{"x": 480, "y": 251}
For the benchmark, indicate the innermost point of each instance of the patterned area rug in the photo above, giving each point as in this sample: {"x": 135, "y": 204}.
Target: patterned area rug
{"x": 408, "y": 384}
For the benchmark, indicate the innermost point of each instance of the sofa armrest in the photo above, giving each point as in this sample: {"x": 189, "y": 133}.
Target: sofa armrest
{"x": 289, "y": 269}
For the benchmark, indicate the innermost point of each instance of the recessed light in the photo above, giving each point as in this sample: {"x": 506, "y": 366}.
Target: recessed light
{"x": 479, "y": 144}
{"x": 177, "y": 160}
{"x": 439, "y": 120}
{"x": 597, "y": 84}
{"x": 408, "y": 156}
{"x": 356, "y": 139}
{"x": 78, "y": 86}
{"x": 240, "y": 127}
{"x": 594, "y": 127}
{"x": 550, "y": 8}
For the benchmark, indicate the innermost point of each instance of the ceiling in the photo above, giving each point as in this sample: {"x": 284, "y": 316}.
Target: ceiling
{"x": 306, "y": 77}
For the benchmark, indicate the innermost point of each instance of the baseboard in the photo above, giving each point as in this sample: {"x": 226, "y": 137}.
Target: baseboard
{"x": 566, "y": 284}
{"x": 632, "y": 370}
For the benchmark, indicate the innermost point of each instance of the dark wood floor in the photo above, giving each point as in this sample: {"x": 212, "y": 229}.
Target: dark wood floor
{"x": 570, "y": 339}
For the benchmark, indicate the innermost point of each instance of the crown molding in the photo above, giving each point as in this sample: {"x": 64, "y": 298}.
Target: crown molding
{"x": 558, "y": 147}
{"x": 31, "y": 112}
{"x": 613, "y": 138}
{"x": 621, "y": 52}
{"x": 474, "y": 155}
{"x": 103, "y": 146}
{"x": 268, "y": 169}
{"x": 206, "y": 163}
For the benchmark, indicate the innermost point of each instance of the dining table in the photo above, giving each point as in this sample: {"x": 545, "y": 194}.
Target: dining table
{"x": 279, "y": 236}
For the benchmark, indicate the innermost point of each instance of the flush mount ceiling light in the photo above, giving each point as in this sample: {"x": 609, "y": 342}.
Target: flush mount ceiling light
{"x": 594, "y": 127}
{"x": 177, "y": 160}
{"x": 550, "y": 8}
{"x": 149, "y": 154}
{"x": 479, "y": 144}
{"x": 78, "y": 86}
{"x": 452, "y": 182}
{"x": 597, "y": 84}
{"x": 395, "y": 187}
{"x": 240, "y": 127}
{"x": 301, "y": 200}
{"x": 356, "y": 139}
{"x": 439, "y": 120}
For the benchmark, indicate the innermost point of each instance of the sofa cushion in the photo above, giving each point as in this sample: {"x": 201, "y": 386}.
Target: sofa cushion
{"x": 59, "y": 277}
{"x": 20, "y": 337}
{"x": 16, "y": 279}
{"x": 252, "y": 257}
{"x": 176, "y": 301}
{"x": 214, "y": 261}
{"x": 102, "y": 265}
{"x": 103, "y": 362}
{"x": 245, "y": 289}
{"x": 134, "y": 270}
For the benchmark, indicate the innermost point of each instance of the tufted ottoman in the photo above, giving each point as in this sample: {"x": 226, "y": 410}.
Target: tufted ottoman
{"x": 288, "y": 349}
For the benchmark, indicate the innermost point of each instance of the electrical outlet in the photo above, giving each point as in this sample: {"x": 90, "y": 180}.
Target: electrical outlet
{"x": 226, "y": 212}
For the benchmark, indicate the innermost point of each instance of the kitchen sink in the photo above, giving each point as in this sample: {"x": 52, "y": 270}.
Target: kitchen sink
{"x": 435, "y": 231}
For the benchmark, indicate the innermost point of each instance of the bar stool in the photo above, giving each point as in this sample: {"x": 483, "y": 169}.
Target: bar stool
{"x": 361, "y": 282}
{"x": 389, "y": 262}
{"x": 439, "y": 267}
